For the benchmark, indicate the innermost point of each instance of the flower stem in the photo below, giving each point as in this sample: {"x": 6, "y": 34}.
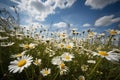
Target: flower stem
{"x": 56, "y": 75}
{"x": 95, "y": 67}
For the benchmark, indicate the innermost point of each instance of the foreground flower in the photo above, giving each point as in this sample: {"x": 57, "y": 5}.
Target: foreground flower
{"x": 45, "y": 71}
{"x": 67, "y": 56}
{"x": 81, "y": 78}
{"x": 111, "y": 55}
{"x": 19, "y": 64}
{"x": 37, "y": 61}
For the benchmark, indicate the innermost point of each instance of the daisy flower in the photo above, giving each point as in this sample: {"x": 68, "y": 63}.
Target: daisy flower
{"x": 113, "y": 32}
{"x": 61, "y": 45}
{"x": 28, "y": 46}
{"x": 56, "y": 60}
{"x": 37, "y": 61}
{"x": 84, "y": 67}
{"x": 70, "y": 45}
{"x": 19, "y": 64}
{"x": 81, "y": 78}
{"x": 3, "y": 38}
{"x": 91, "y": 61}
{"x": 18, "y": 55}
{"x": 111, "y": 55}
{"x": 63, "y": 68}
{"x": 91, "y": 34}
{"x": 6, "y": 44}
{"x": 45, "y": 71}
{"x": 67, "y": 56}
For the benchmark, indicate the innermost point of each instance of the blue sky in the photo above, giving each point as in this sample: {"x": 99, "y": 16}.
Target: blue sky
{"x": 82, "y": 14}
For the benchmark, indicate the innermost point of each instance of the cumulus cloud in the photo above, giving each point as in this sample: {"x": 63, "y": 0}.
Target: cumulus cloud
{"x": 39, "y": 9}
{"x": 106, "y": 20}
{"x": 60, "y": 25}
{"x": 86, "y": 25}
{"x": 99, "y": 4}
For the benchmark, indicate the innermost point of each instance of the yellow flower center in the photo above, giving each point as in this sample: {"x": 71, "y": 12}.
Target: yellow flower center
{"x": 103, "y": 53}
{"x": 67, "y": 57}
{"x": 62, "y": 65}
{"x": 68, "y": 46}
{"x": 63, "y": 35}
{"x": 21, "y": 63}
{"x": 46, "y": 72}
{"x": 36, "y": 61}
{"x": 26, "y": 46}
{"x": 81, "y": 78}
{"x": 61, "y": 45}
{"x": 19, "y": 55}
{"x": 113, "y": 32}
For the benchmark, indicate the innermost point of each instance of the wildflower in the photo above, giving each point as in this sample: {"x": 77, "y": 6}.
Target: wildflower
{"x": 103, "y": 53}
{"x": 63, "y": 68}
{"x": 50, "y": 52}
{"x": 61, "y": 45}
{"x": 56, "y": 60}
{"x": 63, "y": 35}
{"x": 91, "y": 34}
{"x": 111, "y": 55}
{"x": 84, "y": 67}
{"x": 67, "y": 56}
{"x": 70, "y": 45}
{"x": 73, "y": 30}
{"x": 5, "y": 44}
{"x": 18, "y": 55}
{"x": 28, "y": 46}
{"x": 45, "y": 71}
{"x": 3, "y": 38}
{"x": 101, "y": 35}
{"x": 37, "y": 61}
{"x": 81, "y": 78}
{"x": 91, "y": 61}
{"x": 113, "y": 32}
{"x": 19, "y": 64}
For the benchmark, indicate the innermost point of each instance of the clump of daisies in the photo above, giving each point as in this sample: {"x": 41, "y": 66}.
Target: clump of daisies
{"x": 59, "y": 61}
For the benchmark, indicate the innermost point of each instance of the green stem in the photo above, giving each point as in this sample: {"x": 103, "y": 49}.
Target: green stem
{"x": 95, "y": 66}
{"x": 56, "y": 75}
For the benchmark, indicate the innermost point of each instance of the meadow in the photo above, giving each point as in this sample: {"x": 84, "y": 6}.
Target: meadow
{"x": 39, "y": 54}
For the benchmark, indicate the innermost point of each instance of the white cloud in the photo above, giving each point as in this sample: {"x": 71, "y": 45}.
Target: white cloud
{"x": 60, "y": 25}
{"x": 86, "y": 25}
{"x": 99, "y": 4}
{"x": 106, "y": 20}
{"x": 39, "y": 9}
